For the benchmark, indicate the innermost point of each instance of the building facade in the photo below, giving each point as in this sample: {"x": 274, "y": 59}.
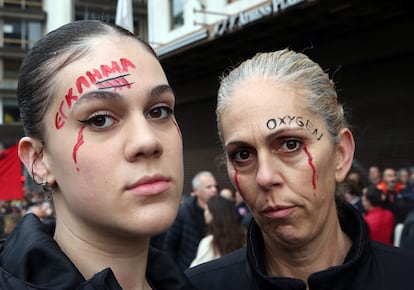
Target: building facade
{"x": 364, "y": 45}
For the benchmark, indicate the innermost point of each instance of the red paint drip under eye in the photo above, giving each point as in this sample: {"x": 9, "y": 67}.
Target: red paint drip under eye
{"x": 77, "y": 145}
{"x": 236, "y": 180}
{"x": 178, "y": 128}
{"x": 305, "y": 148}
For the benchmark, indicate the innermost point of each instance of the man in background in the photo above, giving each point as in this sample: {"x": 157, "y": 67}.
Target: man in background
{"x": 182, "y": 239}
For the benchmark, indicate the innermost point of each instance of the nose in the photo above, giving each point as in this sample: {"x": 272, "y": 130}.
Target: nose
{"x": 268, "y": 172}
{"x": 142, "y": 140}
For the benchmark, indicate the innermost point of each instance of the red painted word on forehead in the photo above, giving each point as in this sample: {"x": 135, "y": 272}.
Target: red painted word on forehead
{"x": 98, "y": 77}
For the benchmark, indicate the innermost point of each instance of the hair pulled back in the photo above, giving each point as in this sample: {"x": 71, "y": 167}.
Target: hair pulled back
{"x": 46, "y": 58}
{"x": 292, "y": 69}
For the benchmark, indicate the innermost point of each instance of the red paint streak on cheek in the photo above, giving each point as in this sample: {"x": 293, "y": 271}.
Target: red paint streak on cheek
{"x": 77, "y": 145}
{"x": 178, "y": 128}
{"x": 310, "y": 161}
{"x": 236, "y": 180}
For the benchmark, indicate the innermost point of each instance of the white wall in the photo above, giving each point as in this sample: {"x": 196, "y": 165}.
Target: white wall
{"x": 159, "y": 32}
{"x": 58, "y": 13}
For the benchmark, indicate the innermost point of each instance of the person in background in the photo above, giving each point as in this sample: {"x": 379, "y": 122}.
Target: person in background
{"x": 288, "y": 144}
{"x": 226, "y": 234}
{"x": 374, "y": 174}
{"x": 181, "y": 240}
{"x": 227, "y": 193}
{"x": 36, "y": 209}
{"x": 355, "y": 178}
{"x": 103, "y": 142}
{"x": 403, "y": 176}
{"x": 352, "y": 193}
{"x": 391, "y": 189}
{"x": 390, "y": 185}
{"x": 380, "y": 221}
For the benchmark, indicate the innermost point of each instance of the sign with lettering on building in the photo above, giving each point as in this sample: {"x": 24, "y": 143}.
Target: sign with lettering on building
{"x": 239, "y": 20}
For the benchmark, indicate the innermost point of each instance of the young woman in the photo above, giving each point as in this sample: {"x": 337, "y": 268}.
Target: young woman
{"x": 226, "y": 233}
{"x": 288, "y": 144}
{"x": 102, "y": 139}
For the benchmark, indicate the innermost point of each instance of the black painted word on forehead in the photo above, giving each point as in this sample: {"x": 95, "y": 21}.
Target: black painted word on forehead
{"x": 114, "y": 83}
{"x": 299, "y": 121}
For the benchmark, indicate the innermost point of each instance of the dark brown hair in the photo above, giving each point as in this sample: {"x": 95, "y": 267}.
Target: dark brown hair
{"x": 225, "y": 227}
{"x": 57, "y": 49}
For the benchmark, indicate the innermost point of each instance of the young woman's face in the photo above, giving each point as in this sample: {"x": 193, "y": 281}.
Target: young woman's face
{"x": 281, "y": 160}
{"x": 112, "y": 143}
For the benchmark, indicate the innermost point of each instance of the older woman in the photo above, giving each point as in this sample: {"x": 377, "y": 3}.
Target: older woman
{"x": 102, "y": 139}
{"x": 287, "y": 145}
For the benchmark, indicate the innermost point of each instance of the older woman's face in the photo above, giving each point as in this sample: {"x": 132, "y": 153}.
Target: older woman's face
{"x": 281, "y": 159}
{"x": 112, "y": 143}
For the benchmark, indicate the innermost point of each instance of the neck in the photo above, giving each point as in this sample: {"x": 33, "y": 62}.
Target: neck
{"x": 328, "y": 249}
{"x": 91, "y": 253}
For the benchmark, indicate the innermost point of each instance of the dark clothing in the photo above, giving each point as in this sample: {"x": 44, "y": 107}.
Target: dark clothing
{"x": 31, "y": 259}
{"x": 182, "y": 239}
{"x": 357, "y": 203}
{"x": 407, "y": 235}
{"x": 369, "y": 265}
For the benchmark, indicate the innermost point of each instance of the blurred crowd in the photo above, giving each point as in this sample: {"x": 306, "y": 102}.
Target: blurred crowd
{"x": 385, "y": 199}
{"x": 11, "y": 211}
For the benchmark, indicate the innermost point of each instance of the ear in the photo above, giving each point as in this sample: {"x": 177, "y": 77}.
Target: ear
{"x": 344, "y": 154}
{"x": 31, "y": 155}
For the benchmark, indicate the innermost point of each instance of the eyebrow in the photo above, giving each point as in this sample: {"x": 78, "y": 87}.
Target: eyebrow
{"x": 159, "y": 90}
{"x": 98, "y": 95}
{"x": 269, "y": 137}
{"x": 116, "y": 97}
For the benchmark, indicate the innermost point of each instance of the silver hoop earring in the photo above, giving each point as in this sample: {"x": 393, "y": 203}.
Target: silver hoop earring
{"x": 47, "y": 187}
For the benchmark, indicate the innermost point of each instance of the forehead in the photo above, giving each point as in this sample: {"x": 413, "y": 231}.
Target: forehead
{"x": 261, "y": 93}
{"x": 255, "y": 101}
{"x": 106, "y": 52}
{"x": 207, "y": 179}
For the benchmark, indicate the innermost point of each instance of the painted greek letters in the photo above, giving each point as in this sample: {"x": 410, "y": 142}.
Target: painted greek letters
{"x": 98, "y": 77}
{"x": 299, "y": 121}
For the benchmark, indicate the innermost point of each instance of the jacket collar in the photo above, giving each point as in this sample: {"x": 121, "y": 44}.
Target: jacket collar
{"x": 30, "y": 254}
{"x": 351, "y": 223}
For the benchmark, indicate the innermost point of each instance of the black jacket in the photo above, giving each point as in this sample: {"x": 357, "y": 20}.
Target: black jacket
{"x": 368, "y": 266}
{"x": 31, "y": 259}
{"x": 182, "y": 239}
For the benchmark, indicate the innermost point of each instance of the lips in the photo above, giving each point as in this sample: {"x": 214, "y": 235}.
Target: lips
{"x": 150, "y": 185}
{"x": 278, "y": 212}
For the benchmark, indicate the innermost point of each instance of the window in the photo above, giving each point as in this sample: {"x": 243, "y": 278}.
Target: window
{"x": 11, "y": 68}
{"x": 177, "y": 13}
{"x": 21, "y": 33}
{"x": 33, "y": 4}
{"x": 10, "y": 111}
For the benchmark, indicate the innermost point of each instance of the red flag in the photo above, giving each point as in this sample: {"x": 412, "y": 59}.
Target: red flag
{"x": 11, "y": 186}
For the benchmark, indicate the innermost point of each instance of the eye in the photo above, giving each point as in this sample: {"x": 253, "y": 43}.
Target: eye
{"x": 161, "y": 112}
{"x": 100, "y": 120}
{"x": 241, "y": 157}
{"x": 291, "y": 145}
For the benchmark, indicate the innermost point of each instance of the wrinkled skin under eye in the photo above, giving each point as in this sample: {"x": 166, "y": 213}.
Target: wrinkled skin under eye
{"x": 162, "y": 112}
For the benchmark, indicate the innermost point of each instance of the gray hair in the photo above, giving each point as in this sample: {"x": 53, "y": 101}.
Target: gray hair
{"x": 293, "y": 69}
{"x": 196, "y": 183}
